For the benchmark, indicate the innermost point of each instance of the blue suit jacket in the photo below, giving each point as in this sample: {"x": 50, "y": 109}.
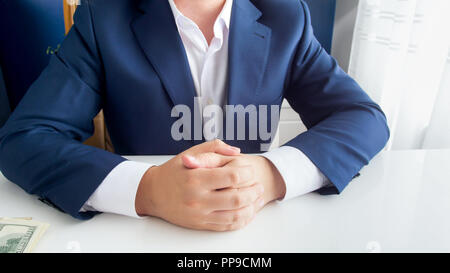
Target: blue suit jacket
{"x": 126, "y": 57}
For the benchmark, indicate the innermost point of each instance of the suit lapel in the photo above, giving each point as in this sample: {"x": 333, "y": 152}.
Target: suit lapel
{"x": 249, "y": 46}
{"x": 249, "y": 43}
{"x": 157, "y": 34}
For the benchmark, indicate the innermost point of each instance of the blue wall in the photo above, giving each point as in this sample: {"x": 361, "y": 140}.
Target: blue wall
{"x": 322, "y": 16}
{"x": 27, "y": 28}
{"x": 4, "y": 104}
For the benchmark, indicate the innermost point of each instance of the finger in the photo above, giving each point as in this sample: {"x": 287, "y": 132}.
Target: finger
{"x": 259, "y": 205}
{"x": 215, "y": 227}
{"x": 228, "y": 150}
{"x": 190, "y": 162}
{"x": 226, "y": 177}
{"x": 217, "y": 146}
{"x": 231, "y": 199}
{"x": 223, "y": 228}
{"x": 227, "y": 217}
{"x": 205, "y": 160}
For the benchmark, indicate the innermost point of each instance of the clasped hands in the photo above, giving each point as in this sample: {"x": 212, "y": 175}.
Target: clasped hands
{"x": 211, "y": 186}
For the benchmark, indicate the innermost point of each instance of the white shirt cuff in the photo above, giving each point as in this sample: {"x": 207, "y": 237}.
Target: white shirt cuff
{"x": 300, "y": 175}
{"x": 117, "y": 193}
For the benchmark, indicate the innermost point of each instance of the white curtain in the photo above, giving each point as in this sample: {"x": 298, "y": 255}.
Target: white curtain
{"x": 401, "y": 57}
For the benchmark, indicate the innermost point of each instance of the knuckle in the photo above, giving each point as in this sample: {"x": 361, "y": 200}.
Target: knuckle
{"x": 218, "y": 141}
{"x": 255, "y": 193}
{"x": 248, "y": 213}
{"x": 236, "y": 217}
{"x": 190, "y": 200}
{"x": 237, "y": 201}
{"x": 234, "y": 178}
{"x": 217, "y": 228}
{"x": 235, "y": 226}
{"x": 222, "y": 228}
{"x": 191, "y": 203}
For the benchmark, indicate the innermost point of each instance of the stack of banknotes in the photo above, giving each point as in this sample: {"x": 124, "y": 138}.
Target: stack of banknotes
{"x": 20, "y": 235}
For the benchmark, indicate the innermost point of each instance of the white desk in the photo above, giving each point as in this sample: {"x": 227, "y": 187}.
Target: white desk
{"x": 401, "y": 202}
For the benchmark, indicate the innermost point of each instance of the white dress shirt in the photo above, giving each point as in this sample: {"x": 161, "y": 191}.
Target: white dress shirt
{"x": 209, "y": 66}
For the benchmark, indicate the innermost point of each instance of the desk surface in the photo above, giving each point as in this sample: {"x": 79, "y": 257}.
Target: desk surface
{"x": 401, "y": 202}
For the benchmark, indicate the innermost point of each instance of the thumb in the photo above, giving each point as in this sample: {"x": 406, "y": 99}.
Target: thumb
{"x": 216, "y": 146}
{"x": 205, "y": 160}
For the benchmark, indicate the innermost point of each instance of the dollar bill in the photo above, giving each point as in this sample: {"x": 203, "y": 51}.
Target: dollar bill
{"x": 20, "y": 235}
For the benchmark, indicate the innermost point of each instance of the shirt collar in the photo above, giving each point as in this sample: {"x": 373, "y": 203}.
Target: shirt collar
{"x": 224, "y": 16}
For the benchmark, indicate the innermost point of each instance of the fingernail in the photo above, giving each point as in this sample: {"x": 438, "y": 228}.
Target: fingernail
{"x": 235, "y": 149}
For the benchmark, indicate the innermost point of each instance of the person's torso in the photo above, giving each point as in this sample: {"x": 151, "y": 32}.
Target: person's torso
{"x": 147, "y": 70}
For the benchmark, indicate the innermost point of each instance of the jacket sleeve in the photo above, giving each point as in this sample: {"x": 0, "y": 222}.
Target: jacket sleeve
{"x": 346, "y": 128}
{"x": 41, "y": 146}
